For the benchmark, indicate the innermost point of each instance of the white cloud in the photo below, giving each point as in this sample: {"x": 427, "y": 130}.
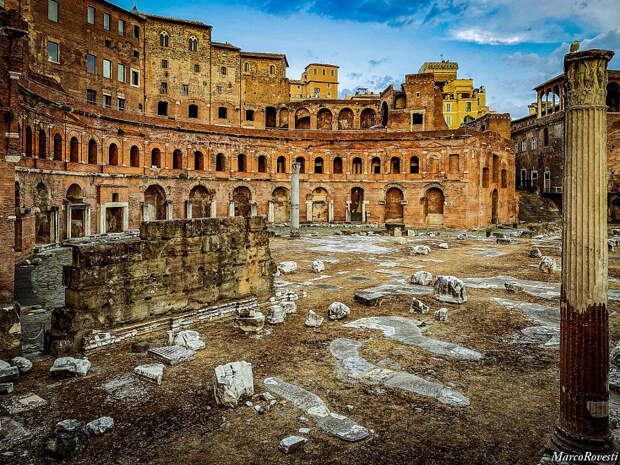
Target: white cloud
{"x": 481, "y": 36}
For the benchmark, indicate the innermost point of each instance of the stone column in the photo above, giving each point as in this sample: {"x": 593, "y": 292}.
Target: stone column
{"x": 271, "y": 213}
{"x": 213, "y": 209}
{"x": 539, "y": 106}
{"x": 348, "y": 212}
{"x": 168, "y": 205}
{"x": 309, "y": 211}
{"x": 253, "y": 209}
{"x": 231, "y": 208}
{"x": 68, "y": 214}
{"x": 188, "y": 209}
{"x": 364, "y": 203}
{"x": 87, "y": 221}
{"x": 584, "y": 346}
{"x": 295, "y": 200}
{"x": 330, "y": 211}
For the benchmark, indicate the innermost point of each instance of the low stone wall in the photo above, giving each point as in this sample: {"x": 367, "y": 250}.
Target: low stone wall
{"x": 173, "y": 268}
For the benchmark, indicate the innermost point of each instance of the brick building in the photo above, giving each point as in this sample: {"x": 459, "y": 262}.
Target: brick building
{"x": 539, "y": 142}
{"x": 114, "y": 117}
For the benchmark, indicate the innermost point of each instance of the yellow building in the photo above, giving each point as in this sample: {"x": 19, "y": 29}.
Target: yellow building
{"x": 317, "y": 81}
{"x": 461, "y": 101}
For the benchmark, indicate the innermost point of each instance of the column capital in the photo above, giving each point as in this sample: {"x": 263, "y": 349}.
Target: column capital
{"x": 586, "y": 77}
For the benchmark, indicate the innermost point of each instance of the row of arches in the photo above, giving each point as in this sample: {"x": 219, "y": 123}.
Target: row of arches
{"x": 325, "y": 119}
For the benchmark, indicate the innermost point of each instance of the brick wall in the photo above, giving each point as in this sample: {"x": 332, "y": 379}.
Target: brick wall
{"x": 172, "y": 267}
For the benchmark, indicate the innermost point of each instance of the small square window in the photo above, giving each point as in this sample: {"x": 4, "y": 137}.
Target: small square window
{"x": 52, "y": 51}
{"x": 121, "y": 104}
{"x": 108, "y": 43}
{"x": 106, "y": 21}
{"x": 224, "y": 53}
{"x": 52, "y": 10}
{"x": 107, "y": 69}
{"x": 91, "y": 15}
{"x": 249, "y": 115}
{"x": 107, "y": 101}
{"x": 218, "y": 89}
{"x": 136, "y": 54}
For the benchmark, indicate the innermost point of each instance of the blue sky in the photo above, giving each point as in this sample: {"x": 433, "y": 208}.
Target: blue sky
{"x": 506, "y": 46}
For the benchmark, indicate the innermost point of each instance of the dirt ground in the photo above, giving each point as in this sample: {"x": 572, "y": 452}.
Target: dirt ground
{"x": 513, "y": 389}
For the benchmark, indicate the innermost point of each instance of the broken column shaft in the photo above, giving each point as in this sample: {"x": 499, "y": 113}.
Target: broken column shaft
{"x": 295, "y": 200}
{"x": 584, "y": 345}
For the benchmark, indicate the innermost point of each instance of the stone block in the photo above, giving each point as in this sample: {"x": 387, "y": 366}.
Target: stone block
{"x": 423, "y": 278}
{"x": 172, "y": 355}
{"x": 287, "y": 267}
{"x": 69, "y": 366}
{"x": 417, "y": 306}
{"x": 337, "y": 311}
{"x": 275, "y": 315}
{"x": 289, "y": 307}
{"x": 419, "y": 250}
{"x": 6, "y": 388}
{"x": 189, "y": 339}
{"x": 151, "y": 371}
{"x": 23, "y": 364}
{"x": 100, "y": 426}
{"x": 313, "y": 320}
{"x": 8, "y": 372}
{"x": 318, "y": 266}
{"x": 370, "y": 299}
{"x": 69, "y": 438}
{"x": 441, "y": 314}
{"x": 292, "y": 443}
{"x": 450, "y": 289}
{"x": 546, "y": 264}
{"x": 233, "y": 382}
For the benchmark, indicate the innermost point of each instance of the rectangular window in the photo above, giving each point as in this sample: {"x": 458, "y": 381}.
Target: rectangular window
{"x": 467, "y": 106}
{"x": 323, "y": 72}
{"x": 185, "y": 89}
{"x": 224, "y": 53}
{"x": 52, "y": 10}
{"x": 52, "y": 51}
{"x": 523, "y": 145}
{"x": 121, "y": 104}
{"x": 164, "y": 63}
{"x": 91, "y": 64}
{"x": 91, "y": 15}
{"x": 332, "y": 72}
{"x": 218, "y": 90}
{"x": 223, "y": 70}
{"x": 329, "y": 85}
{"x": 164, "y": 88}
{"x": 121, "y": 27}
{"x": 249, "y": 115}
{"x": 516, "y": 147}
{"x": 136, "y": 54}
{"x": 135, "y": 78}
{"x": 534, "y": 143}
{"x": 314, "y": 70}
{"x": 449, "y": 120}
{"x": 107, "y": 69}
{"x": 91, "y": 96}
{"x": 107, "y": 101}
{"x": 136, "y": 32}
{"x": 121, "y": 73}
{"x": 106, "y": 21}
{"x": 196, "y": 68}
{"x": 448, "y": 107}
{"x": 108, "y": 43}
{"x": 246, "y": 67}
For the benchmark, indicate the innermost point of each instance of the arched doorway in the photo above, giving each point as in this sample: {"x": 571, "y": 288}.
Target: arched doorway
{"x": 242, "y": 198}
{"x": 201, "y": 202}
{"x": 155, "y": 201}
{"x": 367, "y": 118}
{"x": 319, "y": 205}
{"x": 433, "y": 206}
{"x": 77, "y": 211}
{"x": 270, "y": 117}
{"x": 177, "y": 160}
{"x": 74, "y": 150}
{"x": 302, "y": 164}
{"x": 345, "y": 119}
{"x": 113, "y": 155}
{"x": 357, "y": 199}
{"x": 494, "y": 212}
{"x": 324, "y": 119}
{"x": 394, "y": 205}
{"x": 92, "y": 152}
{"x": 281, "y": 205}
{"x": 43, "y": 218}
{"x": 302, "y": 119}
{"x": 57, "y": 147}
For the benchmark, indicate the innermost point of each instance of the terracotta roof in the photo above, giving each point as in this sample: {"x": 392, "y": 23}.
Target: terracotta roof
{"x": 269, "y": 56}
{"x": 179, "y": 21}
{"x": 224, "y": 45}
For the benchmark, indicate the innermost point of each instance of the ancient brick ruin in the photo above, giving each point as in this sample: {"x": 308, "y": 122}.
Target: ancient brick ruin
{"x": 172, "y": 268}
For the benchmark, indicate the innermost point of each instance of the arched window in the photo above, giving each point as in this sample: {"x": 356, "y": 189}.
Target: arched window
{"x": 272, "y": 69}
{"x": 134, "y": 156}
{"x": 113, "y": 155}
{"x": 219, "y": 162}
{"x": 192, "y": 111}
{"x": 163, "y": 39}
{"x": 177, "y": 160}
{"x": 199, "y": 161}
{"x": 28, "y": 148}
{"x": 57, "y": 147}
{"x": 74, "y": 150}
{"x": 318, "y": 165}
{"x": 193, "y": 44}
{"x": 262, "y": 164}
{"x": 92, "y": 152}
{"x": 395, "y": 165}
{"x": 375, "y": 165}
{"x": 222, "y": 113}
{"x": 281, "y": 165}
{"x": 356, "y": 167}
{"x": 414, "y": 165}
{"x": 337, "y": 168}
{"x": 156, "y": 158}
{"x": 302, "y": 164}
{"x": 241, "y": 163}
{"x": 42, "y": 144}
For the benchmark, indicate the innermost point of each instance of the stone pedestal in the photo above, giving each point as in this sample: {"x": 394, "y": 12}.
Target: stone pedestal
{"x": 295, "y": 200}
{"x": 584, "y": 346}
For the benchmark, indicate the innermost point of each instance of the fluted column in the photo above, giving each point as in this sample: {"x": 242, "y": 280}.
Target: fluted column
{"x": 295, "y": 200}
{"x": 584, "y": 345}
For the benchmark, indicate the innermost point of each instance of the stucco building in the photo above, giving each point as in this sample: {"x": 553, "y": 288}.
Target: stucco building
{"x": 162, "y": 122}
